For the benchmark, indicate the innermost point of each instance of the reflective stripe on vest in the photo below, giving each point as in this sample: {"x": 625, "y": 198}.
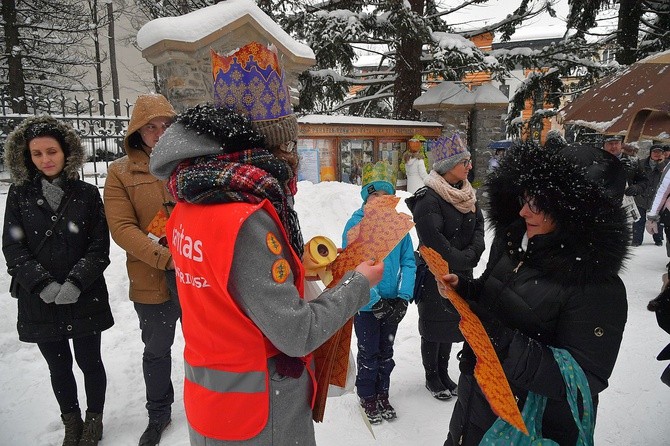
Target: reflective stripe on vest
{"x": 220, "y": 381}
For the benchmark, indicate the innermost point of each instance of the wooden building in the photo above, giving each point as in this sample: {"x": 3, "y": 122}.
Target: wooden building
{"x": 334, "y": 148}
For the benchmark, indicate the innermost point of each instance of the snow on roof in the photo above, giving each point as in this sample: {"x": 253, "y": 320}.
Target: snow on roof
{"x": 198, "y": 24}
{"x": 488, "y": 94}
{"x": 446, "y": 92}
{"x": 357, "y": 120}
{"x": 370, "y": 60}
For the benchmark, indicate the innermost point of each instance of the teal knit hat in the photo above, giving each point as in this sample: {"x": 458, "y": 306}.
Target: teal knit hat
{"x": 376, "y": 177}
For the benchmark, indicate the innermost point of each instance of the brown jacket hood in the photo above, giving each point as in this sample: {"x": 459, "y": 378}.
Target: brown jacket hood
{"x": 146, "y": 108}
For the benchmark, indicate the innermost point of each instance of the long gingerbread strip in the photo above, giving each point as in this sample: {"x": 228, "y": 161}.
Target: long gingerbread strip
{"x": 488, "y": 371}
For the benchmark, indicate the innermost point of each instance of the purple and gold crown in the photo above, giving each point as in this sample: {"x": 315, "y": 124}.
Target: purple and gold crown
{"x": 251, "y": 82}
{"x": 446, "y": 146}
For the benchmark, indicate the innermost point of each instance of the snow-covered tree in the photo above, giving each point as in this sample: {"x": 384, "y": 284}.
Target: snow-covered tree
{"x": 171, "y": 8}
{"x": 642, "y": 28}
{"x": 43, "y": 48}
{"x": 417, "y": 40}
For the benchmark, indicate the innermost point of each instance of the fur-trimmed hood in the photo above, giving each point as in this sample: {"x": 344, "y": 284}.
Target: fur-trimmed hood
{"x": 17, "y": 156}
{"x": 592, "y": 235}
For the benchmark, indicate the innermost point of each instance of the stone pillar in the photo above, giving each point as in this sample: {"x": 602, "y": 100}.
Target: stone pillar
{"x": 452, "y": 120}
{"x": 487, "y": 126}
{"x": 184, "y": 67}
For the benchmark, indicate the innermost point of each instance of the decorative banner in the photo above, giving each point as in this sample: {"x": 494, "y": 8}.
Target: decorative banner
{"x": 374, "y": 237}
{"x": 488, "y": 371}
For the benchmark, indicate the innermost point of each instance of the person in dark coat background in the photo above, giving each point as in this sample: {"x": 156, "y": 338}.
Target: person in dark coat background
{"x": 551, "y": 281}
{"x": 56, "y": 244}
{"x": 554, "y": 141}
{"x": 660, "y": 305}
{"x": 653, "y": 167}
{"x": 601, "y": 167}
{"x": 636, "y": 178}
{"x": 448, "y": 219}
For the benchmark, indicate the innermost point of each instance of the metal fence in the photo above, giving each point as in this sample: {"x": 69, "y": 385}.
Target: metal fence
{"x": 101, "y": 133}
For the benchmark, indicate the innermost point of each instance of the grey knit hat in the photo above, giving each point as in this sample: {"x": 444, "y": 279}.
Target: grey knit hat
{"x": 199, "y": 131}
{"x": 277, "y": 131}
{"x": 447, "y": 152}
{"x": 177, "y": 144}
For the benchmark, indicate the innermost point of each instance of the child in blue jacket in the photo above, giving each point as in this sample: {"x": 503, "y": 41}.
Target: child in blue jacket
{"x": 376, "y": 323}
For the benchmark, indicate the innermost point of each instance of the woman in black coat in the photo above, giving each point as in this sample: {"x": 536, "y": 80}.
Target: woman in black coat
{"x": 448, "y": 219}
{"x": 551, "y": 281}
{"x": 56, "y": 244}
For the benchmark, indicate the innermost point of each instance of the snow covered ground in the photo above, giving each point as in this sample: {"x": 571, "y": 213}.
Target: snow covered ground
{"x": 631, "y": 410}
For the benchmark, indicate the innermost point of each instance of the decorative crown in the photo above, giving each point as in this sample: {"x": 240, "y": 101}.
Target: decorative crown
{"x": 446, "y": 146}
{"x": 380, "y": 171}
{"x": 251, "y": 82}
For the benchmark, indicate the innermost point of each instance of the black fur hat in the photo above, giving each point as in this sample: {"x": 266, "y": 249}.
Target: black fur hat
{"x": 592, "y": 228}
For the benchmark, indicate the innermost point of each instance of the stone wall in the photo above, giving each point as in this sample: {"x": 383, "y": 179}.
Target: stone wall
{"x": 478, "y": 127}
{"x": 187, "y": 83}
{"x": 486, "y": 127}
{"x": 452, "y": 120}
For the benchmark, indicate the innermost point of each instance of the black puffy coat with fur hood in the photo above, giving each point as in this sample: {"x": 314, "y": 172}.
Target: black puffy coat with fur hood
{"x": 77, "y": 250}
{"x": 562, "y": 290}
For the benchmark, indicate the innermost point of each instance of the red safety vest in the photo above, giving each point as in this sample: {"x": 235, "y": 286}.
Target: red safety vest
{"x": 226, "y": 385}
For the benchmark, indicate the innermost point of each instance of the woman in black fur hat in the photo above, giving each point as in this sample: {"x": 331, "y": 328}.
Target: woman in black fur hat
{"x": 551, "y": 286}
{"x": 56, "y": 244}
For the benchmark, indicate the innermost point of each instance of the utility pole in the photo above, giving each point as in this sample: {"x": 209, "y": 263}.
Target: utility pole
{"x": 98, "y": 63}
{"x": 112, "y": 59}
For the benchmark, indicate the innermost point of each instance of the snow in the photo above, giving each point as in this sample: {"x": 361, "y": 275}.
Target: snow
{"x": 201, "y": 23}
{"x": 358, "y": 120}
{"x": 599, "y": 126}
{"x": 446, "y": 92}
{"x": 630, "y": 413}
{"x": 489, "y": 94}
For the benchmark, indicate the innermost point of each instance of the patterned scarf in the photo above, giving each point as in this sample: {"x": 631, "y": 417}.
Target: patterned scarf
{"x": 462, "y": 199}
{"x": 247, "y": 176}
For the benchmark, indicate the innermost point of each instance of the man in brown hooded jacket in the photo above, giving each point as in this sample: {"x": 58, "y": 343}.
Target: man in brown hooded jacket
{"x": 134, "y": 200}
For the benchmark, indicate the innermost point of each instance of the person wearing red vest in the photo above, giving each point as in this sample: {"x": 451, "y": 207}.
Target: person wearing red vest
{"x": 236, "y": 245}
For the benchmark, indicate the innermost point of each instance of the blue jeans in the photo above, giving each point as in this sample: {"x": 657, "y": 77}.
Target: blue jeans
{"x": 158, "y": 323}
{"x": 375, "y": 354}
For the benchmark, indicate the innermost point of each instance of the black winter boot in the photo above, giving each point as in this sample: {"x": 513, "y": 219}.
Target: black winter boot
{"x": 385, "y": 409}
{"x": 92, "y": 432}
{"x": 152, "y": 434}
{"x": 443, "y": 368}
{"x": 429, "y": 355}
{"x": 371, "y": 409}
{"x": 73, "y": 428}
